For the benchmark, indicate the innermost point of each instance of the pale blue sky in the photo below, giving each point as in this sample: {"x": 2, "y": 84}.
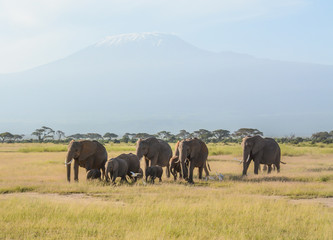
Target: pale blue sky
{"x": 37, "y": 31}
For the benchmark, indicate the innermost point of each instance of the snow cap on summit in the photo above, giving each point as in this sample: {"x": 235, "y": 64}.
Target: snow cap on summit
{"x": 154, "y": 38}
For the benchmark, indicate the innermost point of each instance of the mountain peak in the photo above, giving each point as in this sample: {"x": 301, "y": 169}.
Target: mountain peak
{"x": 153, "y": 38}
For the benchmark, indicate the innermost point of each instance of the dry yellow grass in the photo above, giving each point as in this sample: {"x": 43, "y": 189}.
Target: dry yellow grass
{"x": 38, "y": 203}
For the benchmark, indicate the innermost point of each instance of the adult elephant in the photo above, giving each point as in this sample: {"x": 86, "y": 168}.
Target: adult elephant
{"x": 175, "y": 165}
{"x": 86, "y": 154}
{"x": 133, "y": 165}
{"x": 196, "y": 152}
{"x": 261, "y": 151}
{"x": 155, "y": 151}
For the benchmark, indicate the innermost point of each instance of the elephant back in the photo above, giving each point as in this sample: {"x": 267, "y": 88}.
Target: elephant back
{"x": 132, "y": 161}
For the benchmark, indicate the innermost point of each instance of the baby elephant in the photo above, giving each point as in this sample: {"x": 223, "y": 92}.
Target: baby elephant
{"x": 116, "y": 167}
{"x": 175, "y": 167}
{"x": 154, "y": 172}
{"x": 94, "y": 174}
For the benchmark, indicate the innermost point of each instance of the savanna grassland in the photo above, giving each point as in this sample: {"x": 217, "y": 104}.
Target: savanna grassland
{"x": 36, "y": 202}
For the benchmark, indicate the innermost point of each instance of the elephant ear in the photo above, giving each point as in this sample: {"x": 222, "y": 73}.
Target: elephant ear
{"x": 259, "y": 144}
{"x": 88, "y": 149}
{"x": 114, "y": 165}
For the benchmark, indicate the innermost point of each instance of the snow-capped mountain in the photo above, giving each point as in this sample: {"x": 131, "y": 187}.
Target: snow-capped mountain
{"x": 155, "y": 81}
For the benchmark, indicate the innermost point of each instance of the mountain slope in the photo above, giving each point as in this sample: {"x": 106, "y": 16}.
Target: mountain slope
{"x": 152, "y": 81}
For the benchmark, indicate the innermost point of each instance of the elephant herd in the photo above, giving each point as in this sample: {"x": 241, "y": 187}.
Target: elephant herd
{"x": 189, "y": 154}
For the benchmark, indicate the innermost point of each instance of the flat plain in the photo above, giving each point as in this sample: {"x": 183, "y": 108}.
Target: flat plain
{"x": 36, "y": 202}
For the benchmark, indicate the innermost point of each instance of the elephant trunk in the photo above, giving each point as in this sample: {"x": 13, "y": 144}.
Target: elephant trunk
{"x": 139, "y": 154}
{"x": 172, "y": 169}
{"x": 182, "y": 156}
{"x": 246, "y": 161}
{"x": 68, "y": 162}
{"x": 69, "y": 172}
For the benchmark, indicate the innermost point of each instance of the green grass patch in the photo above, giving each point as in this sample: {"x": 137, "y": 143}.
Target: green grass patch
{"x": 121, "y": 147}
{"x": 55, "y": 148}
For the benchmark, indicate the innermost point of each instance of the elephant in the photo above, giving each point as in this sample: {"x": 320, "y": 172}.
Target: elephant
{"x": 196, "y": 152}
{"x": 154, "y": 172}
{"x": 155, "y": 151}
{"x": 133, "y": 164}
{"x": 261, "y": 151}
{"x": 116, "y": 167}
{"x": 87, "y": 154}
{"x": 176, "y": 168}
{"x": 175, "y": 165}
{"x": 94, "y": 174}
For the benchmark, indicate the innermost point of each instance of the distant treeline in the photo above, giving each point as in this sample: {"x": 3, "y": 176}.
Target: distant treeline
{"x": 47, "y": 134}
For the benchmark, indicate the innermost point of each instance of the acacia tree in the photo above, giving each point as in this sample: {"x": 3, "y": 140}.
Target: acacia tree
{"x": 126, "y": 138}
{"x": 78, "y": 136}
{"x": 321, "y": 136}
{"x": 60, "y": 134}
{"x": 94, "y": 136}
{"x": 6, "y": 136}
{"x": 243, "y": 132}
{"x": 43, "y": 133}
{"x": 221, "y": 134}
{"x": 142, "y": 135}
{"x": 109, "y": 136}
{"x": 166, "y": 136}
{"x": 183, "y": 134}
{"x": 18, "y": 137}
{"x": 203, "y": 134}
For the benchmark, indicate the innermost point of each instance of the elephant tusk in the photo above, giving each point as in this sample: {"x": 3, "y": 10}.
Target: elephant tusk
{"x": 248, "y": 158}
{"x": 68, "y": 162}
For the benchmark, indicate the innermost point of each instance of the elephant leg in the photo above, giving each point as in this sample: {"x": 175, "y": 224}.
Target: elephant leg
{"x": 191, "y": 168}
{"x": 167, "y": 171}
{"x": 278, "y": 167}
{"x": 76, "y": 170}
{"x": 256, "y": 166}
{"x": 103, "y": 172}
{"x": 114, "y": 176}
{"x": 89, "y": 163}
{"x": 245, "y": 167}
{"x": 124, "y": 179}
{"x": 200, "y": 172}
{"x": 180, "y": 174}
{"x": 269, "y": 169}
{"x": 147, "y": 163}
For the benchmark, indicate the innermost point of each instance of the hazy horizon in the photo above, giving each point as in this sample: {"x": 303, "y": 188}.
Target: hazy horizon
{"x": 216, "y": 52}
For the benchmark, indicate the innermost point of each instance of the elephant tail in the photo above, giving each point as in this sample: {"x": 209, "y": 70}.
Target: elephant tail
{"x": 283, "y": 162}
{"x": 209, "y": 167}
